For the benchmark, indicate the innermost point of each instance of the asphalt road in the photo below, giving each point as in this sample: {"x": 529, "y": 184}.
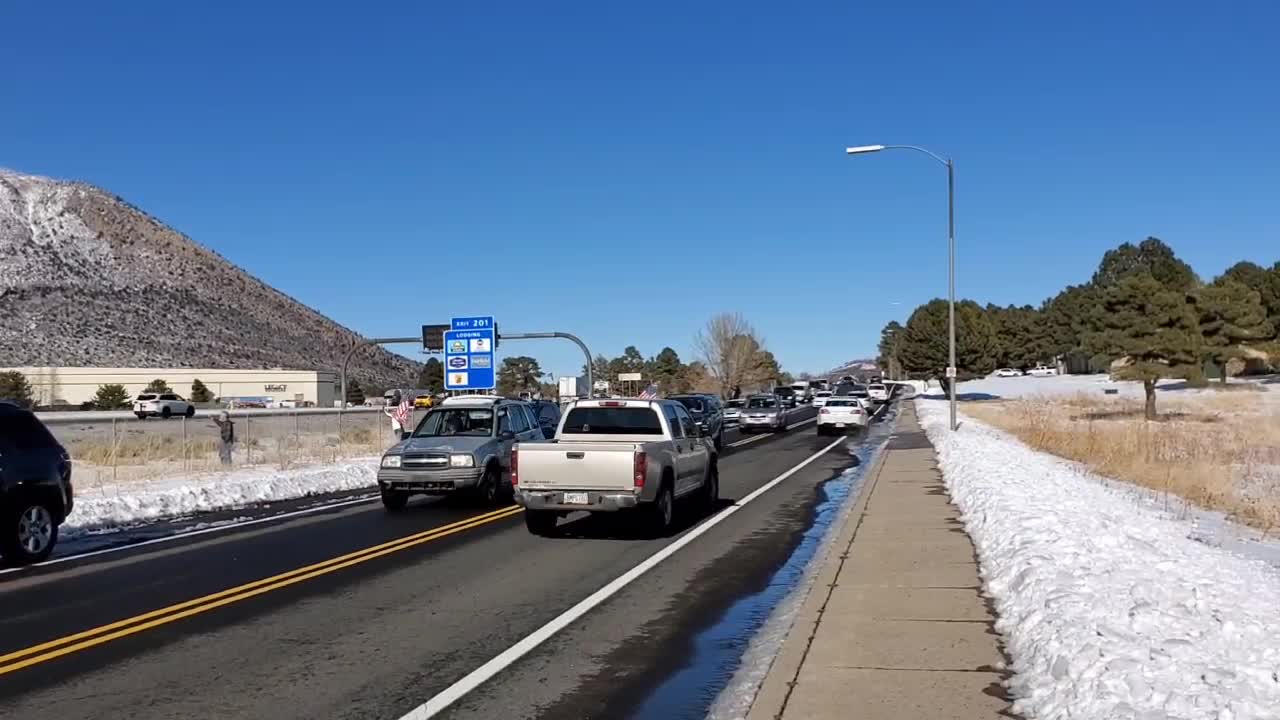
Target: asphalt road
{"x": 352, "y": 613}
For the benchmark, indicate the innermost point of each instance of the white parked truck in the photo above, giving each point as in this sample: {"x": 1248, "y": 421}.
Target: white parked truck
{"x": 611, "y": 455}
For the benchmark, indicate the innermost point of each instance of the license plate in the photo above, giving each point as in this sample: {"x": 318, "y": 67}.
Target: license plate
{"x": 576, "y": 498}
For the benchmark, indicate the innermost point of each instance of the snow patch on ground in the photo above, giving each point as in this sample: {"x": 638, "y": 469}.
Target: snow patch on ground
{"x": 1108, "y": 608}
{"x": 1067, "y": 385}
{"x": 118, "y": 506}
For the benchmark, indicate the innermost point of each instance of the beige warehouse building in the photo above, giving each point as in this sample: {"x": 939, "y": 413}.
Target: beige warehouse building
{"x": 77, "y": 385}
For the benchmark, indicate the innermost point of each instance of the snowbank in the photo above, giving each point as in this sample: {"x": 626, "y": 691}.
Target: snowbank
{"x": 124, "y": 505}
{"x": 1108, "y": 609}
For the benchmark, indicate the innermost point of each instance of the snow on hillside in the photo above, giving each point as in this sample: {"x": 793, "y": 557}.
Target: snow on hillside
{"x": 1107, "y": 606}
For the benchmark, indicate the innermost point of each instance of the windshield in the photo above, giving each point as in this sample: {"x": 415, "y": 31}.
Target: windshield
{"x": 612, "y": 421}
{"x": 694, "y": 404}
{"x": 762, "y": 402}
{"x": 735, "y": 403}
{"x": 454, "y": 422}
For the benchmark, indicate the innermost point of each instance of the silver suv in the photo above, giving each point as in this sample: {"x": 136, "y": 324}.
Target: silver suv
{"x": 462, "y": 447}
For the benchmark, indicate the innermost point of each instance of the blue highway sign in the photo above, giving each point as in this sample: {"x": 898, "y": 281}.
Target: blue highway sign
{"x": 469, "y": 354}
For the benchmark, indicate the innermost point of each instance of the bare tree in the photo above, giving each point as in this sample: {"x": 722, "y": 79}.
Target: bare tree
{"x": 730, "y": 351}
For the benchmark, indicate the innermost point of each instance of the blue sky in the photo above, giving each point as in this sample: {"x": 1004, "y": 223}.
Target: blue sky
{"x": 624, "y": 173}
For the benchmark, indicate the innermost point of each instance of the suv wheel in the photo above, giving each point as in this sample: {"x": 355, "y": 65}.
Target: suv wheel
{"x": 394, "y": 501}
{"x": 719, "y": 441}
{"x": 29, "y": 532}
{"x": 191, "y": 411}
{"x": 141, "y": 415}
{"x": 165, "y": 412}
{"x": 489, "y": 491}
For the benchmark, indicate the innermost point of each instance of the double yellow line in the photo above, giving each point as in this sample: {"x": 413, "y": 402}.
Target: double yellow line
{"x": 52, "y": 649}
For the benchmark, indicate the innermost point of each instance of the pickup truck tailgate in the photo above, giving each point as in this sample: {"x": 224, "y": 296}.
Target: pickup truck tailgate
{"x": 577, "y": 466}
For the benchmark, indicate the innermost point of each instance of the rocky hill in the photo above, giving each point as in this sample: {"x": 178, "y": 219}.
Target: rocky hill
{"x": 88, "y": 280}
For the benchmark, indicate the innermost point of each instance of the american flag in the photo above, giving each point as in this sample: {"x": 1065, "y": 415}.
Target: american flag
{"x": 650, "y": 393}
{"x": 403, "y": 411}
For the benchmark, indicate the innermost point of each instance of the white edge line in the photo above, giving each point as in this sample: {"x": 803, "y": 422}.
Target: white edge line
{"x": 442, "y": 700}
{"x": 184, "y": 535}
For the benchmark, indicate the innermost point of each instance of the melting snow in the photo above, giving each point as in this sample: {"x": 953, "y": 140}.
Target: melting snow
{"x": 1108, "y": 608}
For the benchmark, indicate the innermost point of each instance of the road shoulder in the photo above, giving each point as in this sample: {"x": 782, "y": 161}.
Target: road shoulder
{"x": 896, "y": 625}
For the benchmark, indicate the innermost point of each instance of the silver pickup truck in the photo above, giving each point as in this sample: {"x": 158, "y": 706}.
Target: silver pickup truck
{"x": 613, "y": 455}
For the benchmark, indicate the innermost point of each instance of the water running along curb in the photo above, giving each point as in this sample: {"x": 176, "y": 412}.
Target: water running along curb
{"x": 780, "y": 678}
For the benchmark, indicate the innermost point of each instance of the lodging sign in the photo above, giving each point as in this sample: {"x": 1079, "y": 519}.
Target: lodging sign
{"x": 468, "y": 354}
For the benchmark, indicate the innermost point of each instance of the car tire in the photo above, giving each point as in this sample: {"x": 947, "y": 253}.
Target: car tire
{"x": 141, "y": 416}
{"x": 489, "y": 491}
{"x": 711, "y": 489}
{"x": 394, "y": 500}
{"x": 165, "y": 412}
{"x": 28, "y": 531}
{"x": 191, "y": 411}
{"x": 540, "y": 522}
{"x": 662, "y": 512}
{"x": 719, "y": 441}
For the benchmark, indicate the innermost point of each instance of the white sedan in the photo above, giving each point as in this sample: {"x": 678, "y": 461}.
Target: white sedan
{"x": 821, "y": 397}
{"x": 842, "y": 413}
{"x": 1008, "y": 372}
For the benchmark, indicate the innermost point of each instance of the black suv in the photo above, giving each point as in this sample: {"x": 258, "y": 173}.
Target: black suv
{"x": 35, "y": 487}
{"x": 708, "y": 412}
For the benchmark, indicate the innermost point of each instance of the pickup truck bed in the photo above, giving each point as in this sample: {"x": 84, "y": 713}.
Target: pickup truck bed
{"x": 612, "y": 455}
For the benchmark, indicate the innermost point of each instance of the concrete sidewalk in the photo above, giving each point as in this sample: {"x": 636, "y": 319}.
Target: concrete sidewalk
{"x": 895, "y": 625}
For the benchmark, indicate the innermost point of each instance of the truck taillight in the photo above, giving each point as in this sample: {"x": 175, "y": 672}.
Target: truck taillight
{"x": 824, "y": 411}
{"x": 515, "y": 467}
{"x": 639, "y": 468}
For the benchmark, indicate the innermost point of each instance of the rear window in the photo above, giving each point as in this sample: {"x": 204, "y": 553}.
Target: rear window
{"x": 612, "y": 421}
{"x": 876, "y": 387}
{"x": 143, "y": 398}
{"x": 762, "y": 403}
{"x": 824, "y": 393}
{"x": 735, "y": 403}
{"x": 694, "y": 404}
{"x": 842, "y": 403}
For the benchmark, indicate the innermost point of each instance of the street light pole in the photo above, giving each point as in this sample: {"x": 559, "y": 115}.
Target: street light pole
{"x": 951, "y": 254}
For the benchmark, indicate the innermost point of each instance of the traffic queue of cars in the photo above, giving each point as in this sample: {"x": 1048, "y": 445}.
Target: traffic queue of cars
{"x": 600, "y": 455}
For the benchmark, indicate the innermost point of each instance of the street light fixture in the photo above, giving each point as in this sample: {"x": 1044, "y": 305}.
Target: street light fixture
{"x": 951, "y": 251}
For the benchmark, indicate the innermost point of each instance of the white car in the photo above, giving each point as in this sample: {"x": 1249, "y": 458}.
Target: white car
{"x": 878, "y": 392}
{"x": 821, "y": 397}
{"x": 842, "y": 413}
{"x": 1008, "y": 372}
{"x": 1042, "y": 371}
{"x": 733, "y": 410}
{"x": 165, "y": 405}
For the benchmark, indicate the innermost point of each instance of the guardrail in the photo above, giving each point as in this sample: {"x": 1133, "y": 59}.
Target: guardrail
{"x": 85, "y": 416}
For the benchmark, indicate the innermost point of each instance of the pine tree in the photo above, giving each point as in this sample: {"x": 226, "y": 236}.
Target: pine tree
{"x": 925, "y": 342}
{"x": 158, "y": 386}
{"x": 200, "y": 392}
{"x": 1151, "y": 257}
{"x": 888, "y": 348}
{"x": 667, "y": 370}
{"x": 15, "y": 388}
{"x": 1232, "y": 317}
{"x": 111, "y": 396}
{"x": 1151, "y": 329}
{"x": 432, "y": 375}
{"x": 355, "y": 394}
{"x": 519, "y": 374}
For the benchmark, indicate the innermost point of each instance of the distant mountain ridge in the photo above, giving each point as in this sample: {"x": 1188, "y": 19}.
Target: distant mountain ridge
{"x": 86, "y": 279}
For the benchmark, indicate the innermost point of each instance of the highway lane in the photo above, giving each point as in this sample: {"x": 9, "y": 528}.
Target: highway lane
{"x": 373, "y": 638}
{"x": 101, "y": 544}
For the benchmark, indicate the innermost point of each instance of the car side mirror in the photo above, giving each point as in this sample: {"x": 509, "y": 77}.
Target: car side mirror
{"x": 507, "y": 435}
{"x": 406, "y": 434}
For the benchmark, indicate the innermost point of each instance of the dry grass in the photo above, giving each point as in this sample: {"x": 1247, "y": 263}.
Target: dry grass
{"x": 149, "y": 456}
{"x": 1217, "y": 451}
